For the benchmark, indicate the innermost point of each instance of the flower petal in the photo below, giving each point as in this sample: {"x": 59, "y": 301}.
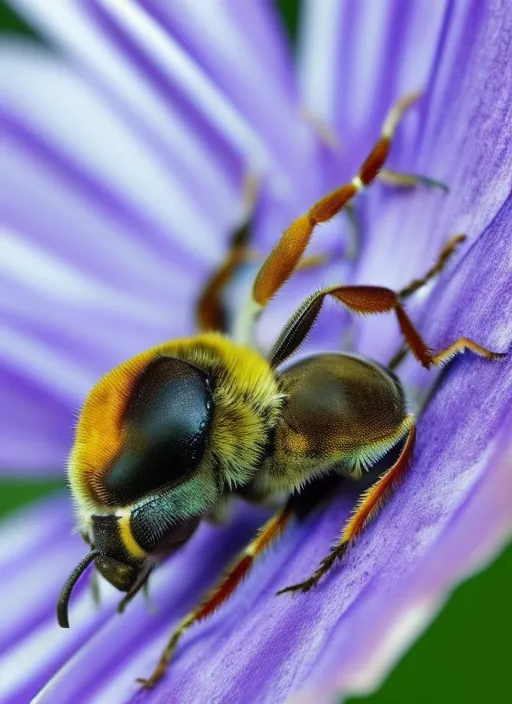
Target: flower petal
{"x": 453, "y": 513}
{"x": 250, "y": 32}
{"x": 32, "y": 439}
{"x": 367, "y": 55}
{"x": 123, "y": 44}
{"x": 260, "y": 647}
{"x": 355, "y": 59}
{"x": 102, "y": 288}
{"x": 40, "y": 549}
{"x": 64, "y": 120}
{"x": 458, "y": 142}
{"x": 475, "y": 533}
{"x": 263, "y": 647}
{"x": 108, "y": 151}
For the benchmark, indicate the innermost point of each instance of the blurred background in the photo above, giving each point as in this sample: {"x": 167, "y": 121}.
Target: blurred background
{"x": 464, "y": 655}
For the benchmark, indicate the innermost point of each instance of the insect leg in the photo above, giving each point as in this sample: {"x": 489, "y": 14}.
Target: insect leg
{"x": 461, "y": 345}
{"x": 220, "y": 593}
{"x": 387, "y": 176}
{"x": 369, "y": 505}
{"x": 210, "y": 312}
{"x": 405, "y": 180}
{"x": 365, "y": 300}
{"x": 359, "y": 299}
{"x": 285, "y": 257}
{"x": 442, "y": 260}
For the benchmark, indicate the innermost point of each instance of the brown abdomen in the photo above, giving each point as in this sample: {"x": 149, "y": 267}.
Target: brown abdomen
{"x": 341, "y": 411}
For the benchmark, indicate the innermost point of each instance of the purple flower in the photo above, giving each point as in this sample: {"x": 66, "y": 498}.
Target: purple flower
{"x": 122, "y": 175}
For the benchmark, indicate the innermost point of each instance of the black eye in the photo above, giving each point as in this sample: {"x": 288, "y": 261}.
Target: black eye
{"x": 167, "y": 420}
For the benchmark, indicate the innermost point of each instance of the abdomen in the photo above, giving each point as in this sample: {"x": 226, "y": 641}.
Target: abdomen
{"x": 341, "y": 412}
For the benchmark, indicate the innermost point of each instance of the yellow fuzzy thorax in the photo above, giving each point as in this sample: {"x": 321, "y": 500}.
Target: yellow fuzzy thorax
{"x": 246, "y": 406}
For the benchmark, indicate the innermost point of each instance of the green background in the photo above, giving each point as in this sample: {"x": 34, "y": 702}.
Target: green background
{"x": 465, "y": 654}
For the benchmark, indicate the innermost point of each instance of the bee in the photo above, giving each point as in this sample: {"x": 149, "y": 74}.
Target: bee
{"x": 167, "y": 436}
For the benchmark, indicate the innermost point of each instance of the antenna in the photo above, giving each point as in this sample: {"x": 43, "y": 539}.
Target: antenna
{"x": 62, "y": 605}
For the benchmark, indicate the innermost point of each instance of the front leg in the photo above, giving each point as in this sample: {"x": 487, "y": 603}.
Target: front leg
{"x": 369, "y": 505}
{"x": 239, "y": 569}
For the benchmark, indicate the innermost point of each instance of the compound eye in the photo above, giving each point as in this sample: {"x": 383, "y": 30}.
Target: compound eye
{"x": 167, "y": 422}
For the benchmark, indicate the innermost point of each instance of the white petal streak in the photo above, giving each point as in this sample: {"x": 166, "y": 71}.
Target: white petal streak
{"x": 65, "y": 110}
{"x": 318, "y": 70}
{"x": 189, "y": 78}
{"x": 46, "y": 646}
{"x": 76, "y": 224}
{"x": 260, "y": 84}
{"x": 71, "y": 25}
{"x": 45, "y": 274}
{"x": 22, "y": 591}
{"x": 127, "y": 101}
{"x": 39, "y": 361}
{"x": 367, "y": 54}
{"x": 28, "y": 529}
{"x": 367, "y": 62}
